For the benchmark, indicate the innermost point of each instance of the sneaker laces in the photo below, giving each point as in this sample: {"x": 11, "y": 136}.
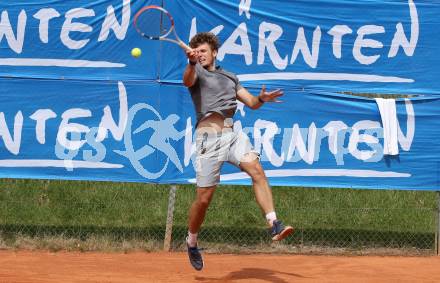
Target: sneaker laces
{"x": 277, "y": 227}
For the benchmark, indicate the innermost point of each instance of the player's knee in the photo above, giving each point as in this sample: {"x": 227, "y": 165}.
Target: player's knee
{"x": 257, "y": 173}
{"x": 250, "y": 157}
{"x": 203, "y": 201}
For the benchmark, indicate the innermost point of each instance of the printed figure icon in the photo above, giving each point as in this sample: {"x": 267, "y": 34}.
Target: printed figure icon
{"x": 164, "y": 131}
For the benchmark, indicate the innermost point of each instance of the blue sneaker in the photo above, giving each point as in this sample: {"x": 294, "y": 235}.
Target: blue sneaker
{"x": 195, "y": 258}
{"x": 278, "y": 231}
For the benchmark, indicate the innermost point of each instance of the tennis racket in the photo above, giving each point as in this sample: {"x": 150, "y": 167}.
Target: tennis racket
{"x": 156, "y": 23}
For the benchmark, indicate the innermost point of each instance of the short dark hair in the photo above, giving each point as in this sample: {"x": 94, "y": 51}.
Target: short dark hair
{"x": 205, "y": 37}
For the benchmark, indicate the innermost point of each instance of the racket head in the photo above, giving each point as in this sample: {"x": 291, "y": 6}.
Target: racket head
{"x": 153, "y": 22}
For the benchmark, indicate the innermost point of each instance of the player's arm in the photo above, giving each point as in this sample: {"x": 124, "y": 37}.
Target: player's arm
{"x": 190, "y": 75}
{"x": 255, "y": 102}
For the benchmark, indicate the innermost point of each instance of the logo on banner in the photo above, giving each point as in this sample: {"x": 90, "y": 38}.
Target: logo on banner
{"x": 152, "y": 143}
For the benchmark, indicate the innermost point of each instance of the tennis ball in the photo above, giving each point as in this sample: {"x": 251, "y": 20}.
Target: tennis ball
{"x": 136, "y": 52}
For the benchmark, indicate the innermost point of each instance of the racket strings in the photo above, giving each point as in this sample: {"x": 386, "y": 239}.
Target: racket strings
{"x": 154, "y": 23}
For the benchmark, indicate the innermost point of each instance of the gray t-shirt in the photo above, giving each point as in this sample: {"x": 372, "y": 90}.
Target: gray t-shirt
{"x": 214, "y": 91}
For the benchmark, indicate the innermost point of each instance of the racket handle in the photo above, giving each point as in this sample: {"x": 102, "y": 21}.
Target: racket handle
{"x": 184, "y": 46}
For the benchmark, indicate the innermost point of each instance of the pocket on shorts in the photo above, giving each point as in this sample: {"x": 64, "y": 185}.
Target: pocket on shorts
{"x": 207, "y": 146}
{"x": 203, "y": 144}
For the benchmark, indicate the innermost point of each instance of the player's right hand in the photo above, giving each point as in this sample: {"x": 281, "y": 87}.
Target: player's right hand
{"x": 191, "y": 55}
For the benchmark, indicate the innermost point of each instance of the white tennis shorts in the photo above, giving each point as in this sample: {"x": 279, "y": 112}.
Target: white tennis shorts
{"x": 213, "y": 149}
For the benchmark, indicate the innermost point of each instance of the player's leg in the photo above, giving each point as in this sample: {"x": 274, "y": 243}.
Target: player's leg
{"x": 263, "y": 194}
{"x": 208, "y": 166}
{"x": 196, "y": 217}
{"x": 243, "y": 156}
{"x": 197, "y": 212}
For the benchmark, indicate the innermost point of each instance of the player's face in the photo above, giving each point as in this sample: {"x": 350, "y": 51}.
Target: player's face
{"x": 206, "y": 55}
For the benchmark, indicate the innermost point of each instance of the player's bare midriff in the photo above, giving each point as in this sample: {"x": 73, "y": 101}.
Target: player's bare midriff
{"x": 215, "y": 122}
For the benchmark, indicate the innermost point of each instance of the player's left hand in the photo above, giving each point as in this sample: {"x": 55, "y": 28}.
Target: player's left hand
{"x": 271, "y": 96}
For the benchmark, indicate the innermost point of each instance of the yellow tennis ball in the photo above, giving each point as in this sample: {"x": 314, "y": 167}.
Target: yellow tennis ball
{"x": 136, "y": 52}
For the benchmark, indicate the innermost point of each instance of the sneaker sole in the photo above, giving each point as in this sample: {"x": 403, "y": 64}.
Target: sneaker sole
{"x": 198, "y": 269}
{"x": 203, "y": 263}
{"x": 286, "y": 232}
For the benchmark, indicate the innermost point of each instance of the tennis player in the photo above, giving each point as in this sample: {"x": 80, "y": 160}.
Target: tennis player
{"x": 214, "y": 92}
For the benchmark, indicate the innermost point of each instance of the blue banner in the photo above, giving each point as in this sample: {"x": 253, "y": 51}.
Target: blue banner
{"x": 76, "y": 105}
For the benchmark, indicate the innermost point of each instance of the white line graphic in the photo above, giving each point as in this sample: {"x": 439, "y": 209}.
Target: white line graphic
{"x": 317, "y": 173}
{"x": 36, "y": 62}
{"x": 39, "y": 163}
{"x": 323, "y": 77}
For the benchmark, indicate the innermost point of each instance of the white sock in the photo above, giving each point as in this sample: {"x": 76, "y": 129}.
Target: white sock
{"x": 271, "y": 217}
{"x": 192, "y": 239}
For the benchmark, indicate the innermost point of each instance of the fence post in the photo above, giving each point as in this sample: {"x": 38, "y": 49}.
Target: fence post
{"x": 170, "y": 216}
{"x": 437, "y": 236}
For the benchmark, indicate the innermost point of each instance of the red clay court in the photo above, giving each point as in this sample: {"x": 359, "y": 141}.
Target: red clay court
{"x": 41, "y": 266}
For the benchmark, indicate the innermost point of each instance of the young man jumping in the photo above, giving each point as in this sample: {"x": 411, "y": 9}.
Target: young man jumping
{"x": 214, "y": 92}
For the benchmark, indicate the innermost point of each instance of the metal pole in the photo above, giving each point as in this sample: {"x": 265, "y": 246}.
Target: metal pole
{"x": 170, "y": 217}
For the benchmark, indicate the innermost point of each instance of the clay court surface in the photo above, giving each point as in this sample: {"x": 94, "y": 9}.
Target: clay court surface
{"x": 40, "y": 266}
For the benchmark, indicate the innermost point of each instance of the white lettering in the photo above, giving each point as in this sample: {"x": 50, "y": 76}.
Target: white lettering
{"x": 406, "y": 141}
{"x": 15, "y": 43}
{"x": 45, "y": 15}
{"x": 12, "y": 145}
{"x": 110, "y": 22}
{"x": 399, "y": 37}
{"x": 69, "y": 26}
{"x": 231, "y": 47}
{"x": 271, "y": 129}
{"x": 269, "y": 43}
{"x": 311, "y": 58}
{"x": 66, "y": 127}
{"x": 297, "y": 142}
{"x": 107, "y": 121}
{"x": 41, "y": 116}
{"x": 360, "y": 43}
{"x": 356, "y": 138}
{"x": 338, "y": 32}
